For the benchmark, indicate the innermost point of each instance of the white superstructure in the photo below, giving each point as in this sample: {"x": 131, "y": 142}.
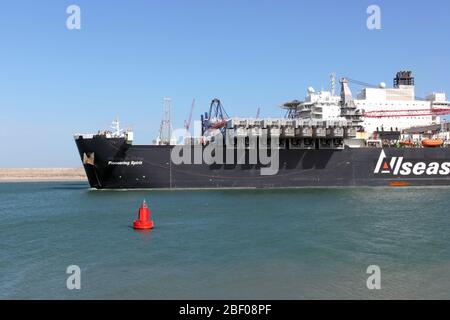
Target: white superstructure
{"x": 383, "y": 108}
{"x": 320, "y": 105}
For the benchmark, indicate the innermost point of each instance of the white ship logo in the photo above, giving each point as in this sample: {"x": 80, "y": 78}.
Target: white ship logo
{"x": 397, "y": 166}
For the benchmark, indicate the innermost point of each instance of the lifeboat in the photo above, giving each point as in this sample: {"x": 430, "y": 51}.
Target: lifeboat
{"x": 406, "y": 143}
{"x": 219, "y": 124}
{"x": 432, "y": 143}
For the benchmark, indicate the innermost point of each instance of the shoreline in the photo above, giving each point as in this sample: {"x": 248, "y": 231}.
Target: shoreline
{"x": 42, "y": 175}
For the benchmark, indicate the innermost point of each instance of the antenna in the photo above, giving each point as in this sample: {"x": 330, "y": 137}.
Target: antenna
{"x": 165, "y": 130}
{"x": 333, "y": 84}
{"x": 115, "y": 125}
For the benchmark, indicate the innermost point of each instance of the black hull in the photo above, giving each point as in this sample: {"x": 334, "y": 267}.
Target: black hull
{"x": 113, "y": 168}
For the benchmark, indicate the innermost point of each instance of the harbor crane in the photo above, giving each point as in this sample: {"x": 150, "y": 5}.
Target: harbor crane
{"x": 216, "y": 118}
{"x": 187, "y": 123}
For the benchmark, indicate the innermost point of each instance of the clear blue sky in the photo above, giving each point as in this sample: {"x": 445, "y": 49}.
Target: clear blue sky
{"x": 130, "y": 54}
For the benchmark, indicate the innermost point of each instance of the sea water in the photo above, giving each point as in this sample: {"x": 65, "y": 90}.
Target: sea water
{"x": 224, "y": 244}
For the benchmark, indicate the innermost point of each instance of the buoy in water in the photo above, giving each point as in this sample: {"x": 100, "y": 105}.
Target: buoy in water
{"x": 143, "y": 222}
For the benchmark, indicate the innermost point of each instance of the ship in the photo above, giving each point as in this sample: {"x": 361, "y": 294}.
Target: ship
{"x": 384, "y": 137}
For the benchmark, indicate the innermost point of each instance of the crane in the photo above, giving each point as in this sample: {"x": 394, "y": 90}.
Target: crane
{"x": 216, "y": 118}
{"x": 187, "y": 123}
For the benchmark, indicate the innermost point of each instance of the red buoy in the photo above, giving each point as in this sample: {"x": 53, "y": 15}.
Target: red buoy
{"x": 143, "y": 222}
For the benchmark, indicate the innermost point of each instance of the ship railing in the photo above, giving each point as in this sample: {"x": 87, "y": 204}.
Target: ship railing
{"x": 84, "y": 135}
{"x": 272, "y": 123}
{"x": 236, "y": 122}
{"x": 255, "y": 122}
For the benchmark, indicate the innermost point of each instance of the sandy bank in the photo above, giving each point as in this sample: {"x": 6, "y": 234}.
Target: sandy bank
{"x": 42, "y": 174}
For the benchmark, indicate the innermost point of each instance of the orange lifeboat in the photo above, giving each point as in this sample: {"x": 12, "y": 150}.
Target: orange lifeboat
{"x": 406, "y": 143}
{"x": 432, "y": 143}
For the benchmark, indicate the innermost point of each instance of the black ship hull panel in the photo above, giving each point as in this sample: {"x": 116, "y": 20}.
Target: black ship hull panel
{"x": 119, "y": 165}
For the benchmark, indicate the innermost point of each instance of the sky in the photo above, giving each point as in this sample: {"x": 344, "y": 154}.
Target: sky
{"x": 129, "y": 55}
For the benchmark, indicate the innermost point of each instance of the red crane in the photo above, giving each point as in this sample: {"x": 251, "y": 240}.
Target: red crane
{"x": 187, "y": 123}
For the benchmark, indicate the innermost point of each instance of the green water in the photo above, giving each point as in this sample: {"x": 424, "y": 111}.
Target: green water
{"x": 283, "y": 244}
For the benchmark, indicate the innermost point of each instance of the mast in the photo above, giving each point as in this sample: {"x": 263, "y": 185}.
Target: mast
{"x": 333, "y": 84}
{"x": 165, "y": 130}
{"x": 115, "y": 125}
